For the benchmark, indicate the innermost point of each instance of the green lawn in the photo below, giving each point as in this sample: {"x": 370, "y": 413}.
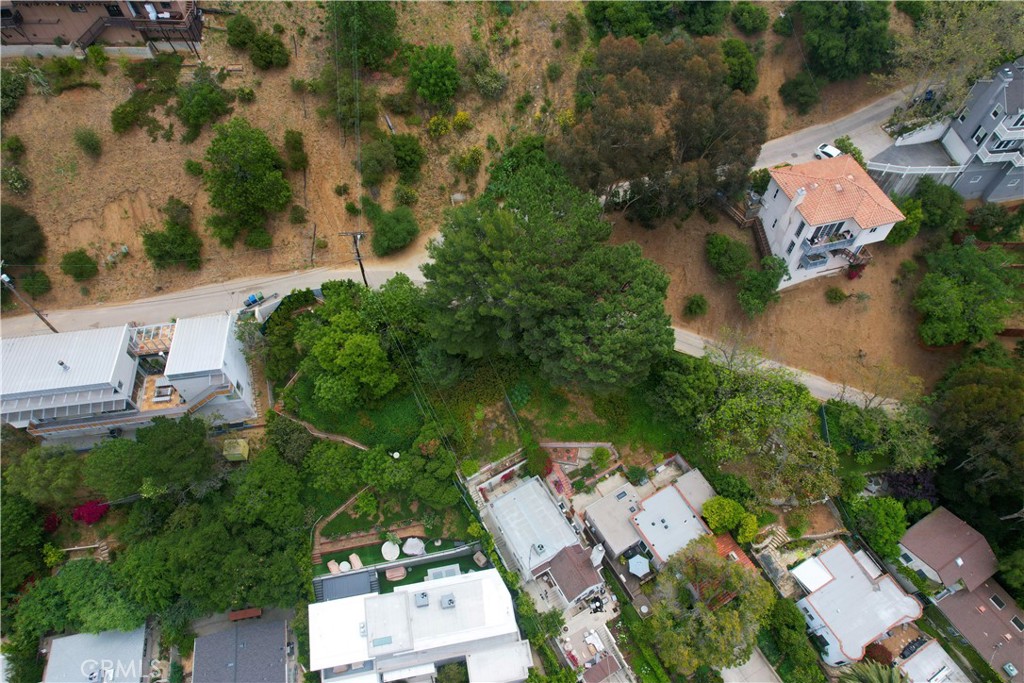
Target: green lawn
{"x": 368, "y": 554}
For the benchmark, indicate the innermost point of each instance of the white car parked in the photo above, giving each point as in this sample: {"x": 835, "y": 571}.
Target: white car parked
{"x": 826, "y": 151}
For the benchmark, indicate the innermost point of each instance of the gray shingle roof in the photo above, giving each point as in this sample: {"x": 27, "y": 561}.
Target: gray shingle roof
{"x": 248, "y": 652}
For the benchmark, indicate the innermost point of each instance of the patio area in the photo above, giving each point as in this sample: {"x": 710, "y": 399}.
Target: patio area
{"x": 900, "y": 637}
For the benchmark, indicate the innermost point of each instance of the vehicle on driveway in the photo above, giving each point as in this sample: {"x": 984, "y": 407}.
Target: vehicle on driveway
{"x": 826, "y": 151}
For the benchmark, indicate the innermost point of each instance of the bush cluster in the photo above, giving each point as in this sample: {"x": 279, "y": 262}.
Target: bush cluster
{"x": 294, "y": 151}
{"x": 696, "y": 306}
{"x": 79, "y": 265}
{"x": 177, "y": 244}
{"x": 800, "y": 92}
{"x": 88, "y": 140}
{"x": 749, "y": 17}
{"x": 13, "y": 87}
{"x": 392, "y": 230}
{"x": 15, "y": 180}
{"x": 468, "y": 163}
{"x": 266, "y": 50}
{"x": 728, "y": 257}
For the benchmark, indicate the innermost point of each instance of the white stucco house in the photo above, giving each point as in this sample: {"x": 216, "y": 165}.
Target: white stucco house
{"x": 819, "y": 216}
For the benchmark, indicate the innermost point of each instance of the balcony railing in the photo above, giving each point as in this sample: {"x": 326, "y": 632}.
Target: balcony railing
{"x": 811, "y": 263}
{"x": 187, "y": 26}
{"x": 844, "y": 240}
{"x": 1014, "y": 156}
{"x": 1006, "y": 133}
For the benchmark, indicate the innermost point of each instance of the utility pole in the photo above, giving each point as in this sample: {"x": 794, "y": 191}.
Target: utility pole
{"x": 10, "y": 287}
{"x": 356, "y": 237}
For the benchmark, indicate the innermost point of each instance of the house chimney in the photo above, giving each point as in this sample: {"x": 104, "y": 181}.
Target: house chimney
{"x": 64, "y": 365}
{"x": 798, "y": 198}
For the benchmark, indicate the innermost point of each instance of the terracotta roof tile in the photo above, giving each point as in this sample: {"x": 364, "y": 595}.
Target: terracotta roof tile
{"x": 837, "y": 189}
{"x": 941, "y": 538}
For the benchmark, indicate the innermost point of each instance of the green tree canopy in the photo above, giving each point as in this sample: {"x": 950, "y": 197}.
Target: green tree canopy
{"x": 942, "y": 207}
{"x": 742, "y": 64}
{"x": 722, "y": 514}
{"x": 434, "y": 73}
{"x": 366, "y": 28}
{"x": 845, "y": 39}
{"x": 906, "y": 229}
{"x": 967, "y": 294}
{"x": 534, "y": 279}
{"x": 22, "y": 535}
{"x": 718, "y": 628}
{"x": 245, "y": 179}
{"x": 882, "y": 521}
{"x": 45, "y": 475}
{"x": 22, "y": 240}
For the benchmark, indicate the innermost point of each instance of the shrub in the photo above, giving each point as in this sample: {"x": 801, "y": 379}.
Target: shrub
{"x": 341, "y": 190}
{"x": 294, "y": 151}
{"x": 434, "y": 73}
{"x": 13, "y": 87}
{"x": 565, "y": 119}
{"x": 90, "y": 512}
{"x": 727, "y": 256}
{"x": 278, "y": 29}
{"x": 907, "y": 228}
{"x": 438, "y": 126}
{"x": 36, "y": 283}
{"x": 461, "y": 122}
{"x": 241, "y": 31}
{"x": 800, "y": 92}
{"x": 201, "y": 102}
{"x": 742, "y": 65}
{"x": 21, "y": 238}
{"x": 409, "y": 156}
{"x": 749, "y": 18}
{"x": 378, "y": 160}
{"x": 696, "y": 306}
{"x": 798, "y": 522}
{"x": 554, "y": 71}
{"x": 915, "y": 9}
{"x": 759, "y": 180}
{"x": 297, "y": 215}
{"x": 601, "y": 458}
{"x": 996, "y": 223}
{"x": 942, "y": 206}
{"x": 405, "y": 196}
{"x": 352, "y": 209}
{"x": 834, "y": 295}
{"x": 573, "y": 30}
{"x": 635, "y": 474}
{"x": 79, "y": 265}
{"x": 524, "y": 101}
{"x": 845, "y": 145}
{"x": 267, "y": 51}
{"x": 194, "y": 168}
{"x": 400, "y": 102}
{"x": 469, "y": 467}
{"x": 392, "y": 230}
{"x": 908, "y": 268}
{"x": 490, "y": 83}
{"x": 177, "y": 244}
{"x": 259, "y": 238}
{"x": 760, "y": 287}
{"x": 15, "y": 180}
{"x": 14, "y": 149}
{"x": 245, "y": 95}
{"x": 468, "y": 163}
{"x": 97, "y": 57}
{"x": 783, "y": 25}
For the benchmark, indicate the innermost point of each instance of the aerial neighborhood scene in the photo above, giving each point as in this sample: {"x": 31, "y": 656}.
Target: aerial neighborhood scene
{"x": 502, "y": 341}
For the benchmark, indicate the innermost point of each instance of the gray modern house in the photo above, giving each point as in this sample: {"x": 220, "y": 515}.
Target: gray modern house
{"x": 979, "y": 151}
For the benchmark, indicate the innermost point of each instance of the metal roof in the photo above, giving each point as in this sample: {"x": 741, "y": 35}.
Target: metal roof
{"x": 73, "y": 658}
{"x": 199, "y": 344}
{"x": 249, "y": 652}
{"x": 31, "y": 365}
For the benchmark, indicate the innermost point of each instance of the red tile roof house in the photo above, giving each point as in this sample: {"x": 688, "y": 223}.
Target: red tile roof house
{"x": 819, "y": 216}
{"x": 944, "y": 548}
{"x": 949, "y": 551}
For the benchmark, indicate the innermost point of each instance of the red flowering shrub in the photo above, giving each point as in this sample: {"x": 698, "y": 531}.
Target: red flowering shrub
{"x": 91, "y": 512}
{"x": 51, "y": 522}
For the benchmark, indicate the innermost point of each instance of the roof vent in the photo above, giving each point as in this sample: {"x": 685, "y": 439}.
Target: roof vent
{"x": 421, "y": 599}
{"x": 448, "y": 601}
{"x": 64, "y": 365}
{"x": 959, "y": 561}
{"x": 732, "y": 556}
{"x": 839, "y": 188}
{"x": 849, "y": 177}
{"x": 538, "y": 548}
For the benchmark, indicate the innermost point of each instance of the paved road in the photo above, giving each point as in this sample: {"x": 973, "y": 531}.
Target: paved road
{"x": 864, "y": 127}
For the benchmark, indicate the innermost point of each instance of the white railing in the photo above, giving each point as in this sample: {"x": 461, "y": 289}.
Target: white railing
{"x": 914, "y": 170}
{"x": 1014, "y": 156}
{"x": 1006, "y": 133}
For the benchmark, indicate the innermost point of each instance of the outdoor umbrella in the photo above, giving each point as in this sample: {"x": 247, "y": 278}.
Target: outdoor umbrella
{"x": 414, "y": 546}
{"x": 639, "y": 566}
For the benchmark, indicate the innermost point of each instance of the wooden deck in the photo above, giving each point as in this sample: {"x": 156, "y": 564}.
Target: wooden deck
{"x": 148, "y": 400}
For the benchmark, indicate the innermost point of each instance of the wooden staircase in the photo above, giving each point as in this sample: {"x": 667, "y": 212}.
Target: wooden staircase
{"x": 222, "y": 391}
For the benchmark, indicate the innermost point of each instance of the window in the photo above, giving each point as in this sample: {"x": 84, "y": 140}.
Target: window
{"x": 165, "y": 5}
{"x": 1016, "y": 621}
{"x": 823, "y": 232}
{"x": 776, "y": 193}
{"x": 995, "y": 112}
{"x": 963, "y": 115}
{"x": 774, "y": 223}
{"x": 77, "y": 7}
{"x": 873, "y": 230}
{"x": 998, "y": 602}
{"x": 114, "y": 10}
{"x": 120, "y": 385}
{"x": 906, "y": 558}
{"x": 800, "y": 228}
{"x": 789, "y": 249}
{"x": 1001, "y": 144}
{"x": 979, "y": 135}
{"x": 976, "y": 179}
{"x": 238, "y": 387}
{"x": 1019, "y": 121}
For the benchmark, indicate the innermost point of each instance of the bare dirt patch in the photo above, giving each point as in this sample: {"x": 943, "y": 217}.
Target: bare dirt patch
{"x": 835, "y": 341}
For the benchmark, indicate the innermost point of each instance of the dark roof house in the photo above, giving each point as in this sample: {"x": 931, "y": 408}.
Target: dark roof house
{"x": 949, "y": 547}
{"x": 572, "y": 572}
{"x": 992, "y": 622}
{"x": 248, "y": 652}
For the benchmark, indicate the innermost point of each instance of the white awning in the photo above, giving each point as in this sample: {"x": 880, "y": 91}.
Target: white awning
{"x": 409, "y": 672}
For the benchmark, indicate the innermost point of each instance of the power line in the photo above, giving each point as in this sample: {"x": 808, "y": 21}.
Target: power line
{"x": 10, "y": 288}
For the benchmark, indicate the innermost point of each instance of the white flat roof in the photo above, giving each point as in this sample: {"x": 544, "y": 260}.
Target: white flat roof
{"x": 696, "y": 489}
{"x": 505, "y": 664}
{"x": 667, "y": 523}
{"x": 29, "y": 365}
{"x": 199, "y": 344}
{"x": 73, "y": 658}
{"x": 932, "y": 664}
{"x": 611, "y": 516}
{"x": 811, "y": 574}
{"x": 854, "y": 607}
{"x": 373, "y": 626}
{"x": 531, "y": 524}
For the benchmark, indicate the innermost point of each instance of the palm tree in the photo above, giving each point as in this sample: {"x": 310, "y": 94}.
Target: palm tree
{"x": 872, "y": 672}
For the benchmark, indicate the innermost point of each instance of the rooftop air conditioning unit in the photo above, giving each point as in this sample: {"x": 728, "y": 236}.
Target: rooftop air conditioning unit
{"x": 448, "y": 601}
{"x": 421, "y": 599}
